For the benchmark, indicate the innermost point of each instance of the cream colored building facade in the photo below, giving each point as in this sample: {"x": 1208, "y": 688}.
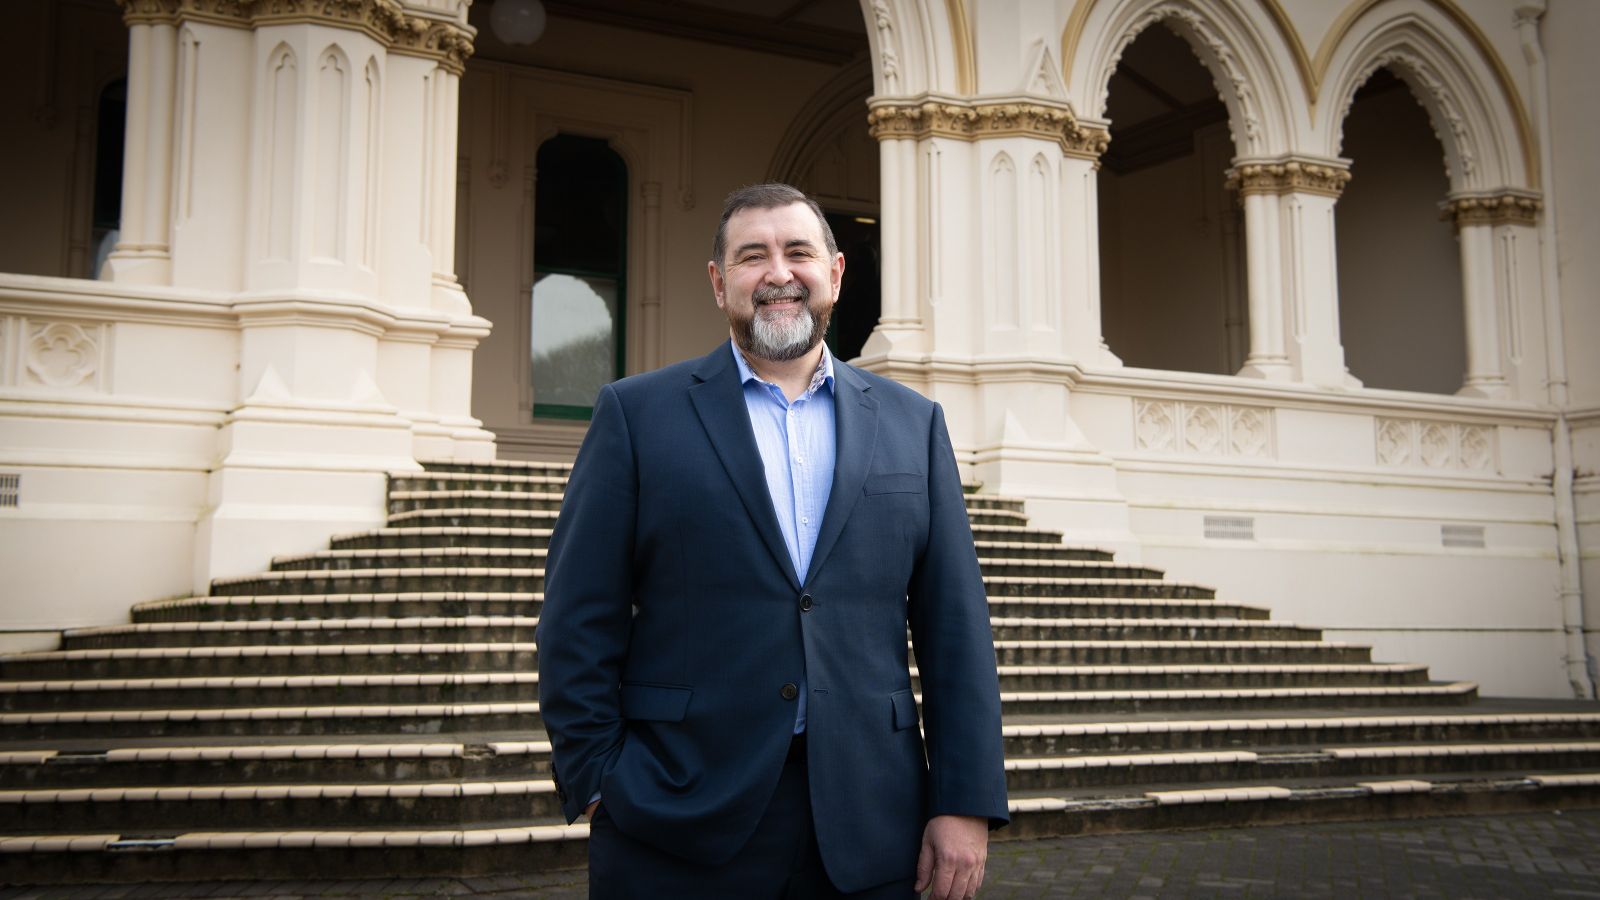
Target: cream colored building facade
{"x": 1130, "y": 245}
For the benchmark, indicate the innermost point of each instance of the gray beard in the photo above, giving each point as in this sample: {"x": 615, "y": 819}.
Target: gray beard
{"x": 785, "y": 336}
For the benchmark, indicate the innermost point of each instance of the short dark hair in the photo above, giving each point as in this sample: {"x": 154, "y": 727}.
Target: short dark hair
{"x": 766, "y": 196}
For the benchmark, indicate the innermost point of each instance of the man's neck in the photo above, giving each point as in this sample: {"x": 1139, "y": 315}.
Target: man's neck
{"x": 792, "y": 376}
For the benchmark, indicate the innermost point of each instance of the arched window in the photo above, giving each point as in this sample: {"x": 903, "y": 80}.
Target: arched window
{"x": 1172, "y": 280}
{"x": 1400, "y": 310}
{"x": 580, "y": 274}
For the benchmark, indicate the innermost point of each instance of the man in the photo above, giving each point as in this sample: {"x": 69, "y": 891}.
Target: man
{"x": 722, "y": 647}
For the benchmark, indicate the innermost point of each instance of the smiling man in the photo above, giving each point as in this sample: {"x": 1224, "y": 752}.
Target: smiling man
{"x": 745, "y": 540}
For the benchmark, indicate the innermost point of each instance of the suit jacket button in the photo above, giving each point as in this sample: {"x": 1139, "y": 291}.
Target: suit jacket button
{"x": 805, "y": 602}
{"x": 789, "y": 691}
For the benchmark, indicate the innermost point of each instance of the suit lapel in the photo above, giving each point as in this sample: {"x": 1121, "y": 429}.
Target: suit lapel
{"x": 719, "y": 401}
{"x": 856, "y": 424}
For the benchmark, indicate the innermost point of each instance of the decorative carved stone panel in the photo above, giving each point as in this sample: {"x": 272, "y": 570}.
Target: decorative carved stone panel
{"x": 64, "y": 355}
{"x": 1203, "y": 429}
{"x": 1431, "y": 444}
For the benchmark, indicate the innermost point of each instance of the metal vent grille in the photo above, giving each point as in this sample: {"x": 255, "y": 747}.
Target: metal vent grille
{"x": 10, "y": 488}
{"x": 1462, "y": 536}
{"x": 1231, "y": 528}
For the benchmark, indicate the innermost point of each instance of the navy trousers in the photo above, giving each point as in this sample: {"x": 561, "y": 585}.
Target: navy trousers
{"x": 781, "y": 862}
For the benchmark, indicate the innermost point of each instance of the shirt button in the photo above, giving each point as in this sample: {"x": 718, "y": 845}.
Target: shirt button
{"x": 805, "y": 602}
{"x": 805, "y": 520}
{"x": 789, "y": 691}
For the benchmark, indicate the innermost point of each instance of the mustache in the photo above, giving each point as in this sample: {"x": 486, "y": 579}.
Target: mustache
{"x": 773, "y": 293}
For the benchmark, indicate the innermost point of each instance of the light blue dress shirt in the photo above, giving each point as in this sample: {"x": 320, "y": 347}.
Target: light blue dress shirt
{"x": 797, "y": 447}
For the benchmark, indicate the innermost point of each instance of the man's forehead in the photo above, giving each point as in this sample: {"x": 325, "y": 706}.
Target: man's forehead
{"x": 783, "y": 223}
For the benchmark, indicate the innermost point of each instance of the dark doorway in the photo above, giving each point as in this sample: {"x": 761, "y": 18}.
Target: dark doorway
{"x": 861, "y": 295}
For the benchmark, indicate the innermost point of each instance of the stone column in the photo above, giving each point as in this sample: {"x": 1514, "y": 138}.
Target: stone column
{"x": 298, "y": 159}
{"x": 1484, "y": 224}
{"x": 1292, "y": 271}
{"x": 991, "y": 291}
{"x": 143, "y": 251}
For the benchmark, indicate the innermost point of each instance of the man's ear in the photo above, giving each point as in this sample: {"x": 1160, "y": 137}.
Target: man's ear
{"x": 836, "y": 276}
{"x": 717, "y": 283}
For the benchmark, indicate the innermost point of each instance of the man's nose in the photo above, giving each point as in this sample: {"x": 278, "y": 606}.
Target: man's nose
{"x": 778, "y": 272}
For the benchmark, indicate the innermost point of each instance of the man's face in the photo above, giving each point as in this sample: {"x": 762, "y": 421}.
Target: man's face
{"x": 777, "y": 283}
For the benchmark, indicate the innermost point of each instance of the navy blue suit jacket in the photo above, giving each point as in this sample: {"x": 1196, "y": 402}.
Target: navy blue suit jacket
{"x": 672, "y": 622}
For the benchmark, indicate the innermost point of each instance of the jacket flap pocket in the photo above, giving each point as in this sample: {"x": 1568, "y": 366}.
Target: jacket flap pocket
{"x": 895, "y": 483}
{"x": 905, "y": 709}
{"x": 655, "y": 702}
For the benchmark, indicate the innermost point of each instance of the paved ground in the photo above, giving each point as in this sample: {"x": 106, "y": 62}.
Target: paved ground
{"x": 1543, "y": 855}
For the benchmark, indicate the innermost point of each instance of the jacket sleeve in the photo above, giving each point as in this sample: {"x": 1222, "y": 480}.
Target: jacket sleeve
{"x": 587, "y": 613}
{"x": 948, "y": 609}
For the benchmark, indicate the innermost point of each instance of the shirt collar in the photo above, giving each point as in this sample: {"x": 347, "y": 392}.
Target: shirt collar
{"x": 823, "y": 374}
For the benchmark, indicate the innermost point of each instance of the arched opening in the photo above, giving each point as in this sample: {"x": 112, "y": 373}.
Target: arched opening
{"x": 1400, "y": 309}
{"x": 111, "y": 122}
{"x": 1172, "y": 289}
{"x": 580, "y": 274}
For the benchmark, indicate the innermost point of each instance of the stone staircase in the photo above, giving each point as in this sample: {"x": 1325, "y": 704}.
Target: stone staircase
{"x": 373, "y": 708}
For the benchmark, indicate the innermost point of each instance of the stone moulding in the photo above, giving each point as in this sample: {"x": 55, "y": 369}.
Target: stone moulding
{"x": 1505, "y": 208}
{"x": 977, "y": 121}
{"x": 447, "y": 40}
{"x": 1288, "y": 176}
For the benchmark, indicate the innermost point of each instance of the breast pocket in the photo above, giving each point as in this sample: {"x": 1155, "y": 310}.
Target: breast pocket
{"x": 895, "y": 483}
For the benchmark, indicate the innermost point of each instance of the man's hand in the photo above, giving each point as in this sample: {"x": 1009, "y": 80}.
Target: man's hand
{"x": 588, "y": 811}
{"x": 953, "y": 852}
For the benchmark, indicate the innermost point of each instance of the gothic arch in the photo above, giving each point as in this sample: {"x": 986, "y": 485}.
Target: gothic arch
{"x": 1475, "y": 120}
{"x": 836, "y": 112}
{"x": 919, "y": 48}
{"x": 1247, "y": 59}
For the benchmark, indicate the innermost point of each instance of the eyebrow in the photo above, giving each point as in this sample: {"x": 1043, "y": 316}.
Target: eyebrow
{"x": 758, "y": 245}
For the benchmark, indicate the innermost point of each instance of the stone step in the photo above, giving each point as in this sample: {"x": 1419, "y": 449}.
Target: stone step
{"x": 1214, "y": 700}
{"x": 328, "y": 804}
{"x": 518, "y": 844}
{"x": 1149, "y": 629}
{"x": 1041, "y": 549}
{"x": 269, "y": 659}
{"x": 1178, "y": 805}
{"x": 1088, "y": 586}
{"x": 1024, "y": 534}
{"x": 467, "y": 517}
{"x": 355, "y": 581}
{"x": 377, "y": 761}
{"x": 376, "y": 630}
{"x": 1036, "y": 570}
{"x": 521, "y": 482}
{"x": 1289, "y": 731}
{"x": 1114, "y": 607}
{"x": 405, "y": 501}
{"x": 1089, "y": 653}
{"x": 412, "y": 558}
{"x": 979, "y": 517}
{"x": 391, "y": 689}
{"x": 1419, "y": 761}
{"x": 415, "y": 719}
{"x": 494, "y": 466}
{"x": 977, "y": 501}
{"x": 1314, "y": 676}
{"x": 442, "y": 536}
{"x": 392, "y": 605}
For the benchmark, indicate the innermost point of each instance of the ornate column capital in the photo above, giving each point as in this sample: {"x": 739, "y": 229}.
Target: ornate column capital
{"x": 400, "y": 29}
{"x": 1508, "y": 207}
{"x": 1289, "y": 175}
{"x": 974, "y": 121}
